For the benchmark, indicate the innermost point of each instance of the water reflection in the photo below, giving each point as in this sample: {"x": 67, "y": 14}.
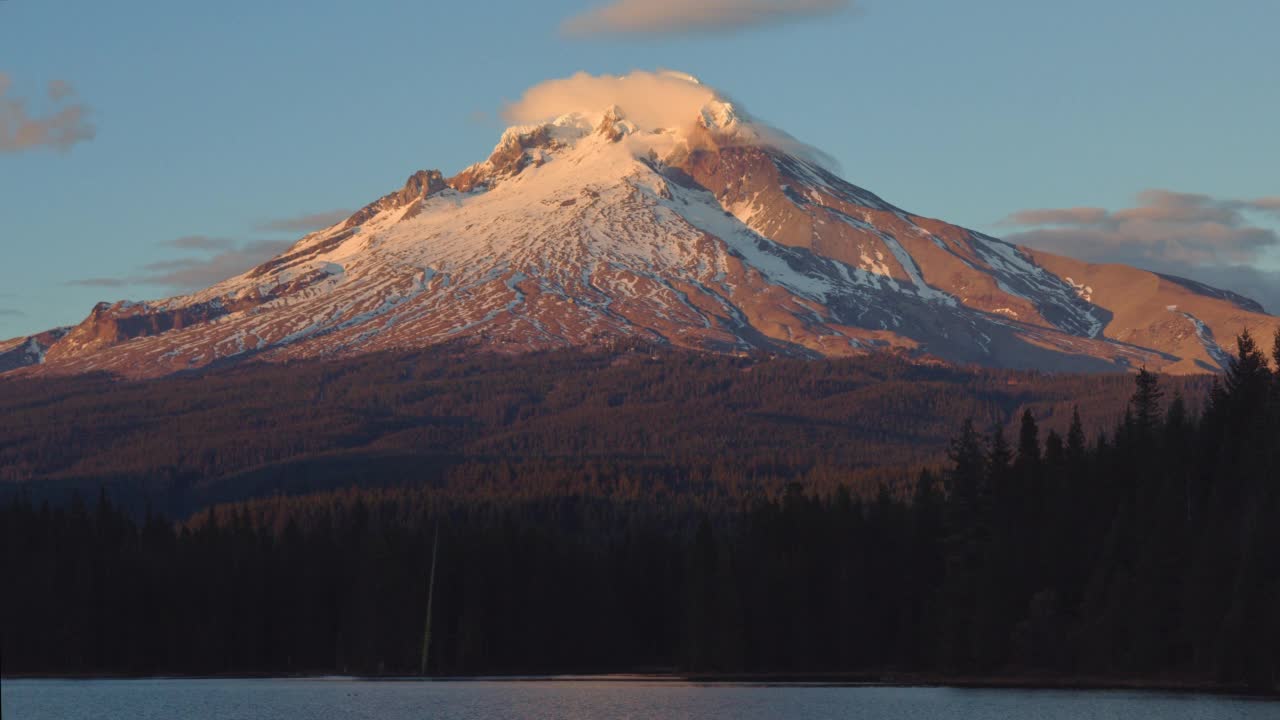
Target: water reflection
{"x": 587, "y": 699}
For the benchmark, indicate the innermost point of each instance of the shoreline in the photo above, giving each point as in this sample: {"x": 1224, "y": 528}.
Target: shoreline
{"x": 1188, "y": 686}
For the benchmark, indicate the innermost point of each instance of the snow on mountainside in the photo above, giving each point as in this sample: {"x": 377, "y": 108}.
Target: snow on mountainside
{"x": 714, "y": 233}
{"x": 21, "y": 352}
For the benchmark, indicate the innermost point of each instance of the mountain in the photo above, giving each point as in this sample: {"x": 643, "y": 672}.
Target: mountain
{"x": 22, "y": 352}
{"x": 716, "y": 233}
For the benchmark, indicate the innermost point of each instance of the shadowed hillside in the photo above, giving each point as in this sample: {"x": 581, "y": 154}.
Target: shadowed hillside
{"x": 637, "y": 422}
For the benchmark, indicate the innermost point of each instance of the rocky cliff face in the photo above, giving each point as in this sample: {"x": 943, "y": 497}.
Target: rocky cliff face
{"x": 590, "y": 228}
{"x": 420, "y": 186}
{"x": 26, "y": 351}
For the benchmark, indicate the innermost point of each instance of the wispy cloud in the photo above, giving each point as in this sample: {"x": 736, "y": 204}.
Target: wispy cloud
{"x": 60, "y": 90}
{"x": 10, "y": 312}
{"x": 1218, "y": 241}
{"x": 1163, "y": 226}
{"x": 101, "y": 282}
{"x": 217, "y": 260}
{"x": 673, "y": 17}
{"x": 306, "y": 223}
{"x": 64, "y": 125}
{"x": 201, "y": 242}
{"x": 194, "y": 273}
{"x": 1061, "y": 216}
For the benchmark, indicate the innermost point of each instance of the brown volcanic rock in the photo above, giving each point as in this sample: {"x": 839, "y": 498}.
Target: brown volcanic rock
{"x": 511, "y": 156}
{"x": 420, "y": 185}
{"x": 109, "y": 325}
{"x": 26, "y": 351}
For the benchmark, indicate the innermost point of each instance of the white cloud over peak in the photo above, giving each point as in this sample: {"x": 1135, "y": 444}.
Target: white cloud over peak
{"x": 656, "y": 100}
{"x": 651, "y": 100}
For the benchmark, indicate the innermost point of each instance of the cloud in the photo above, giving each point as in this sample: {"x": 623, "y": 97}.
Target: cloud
{"x": 196, "y": 272}
{"x": 650, "y": 101}
{"x": 1268, "y": 205}
{"x": 1064, "y": 216}
{"x": 65, "y": 126}
{"x": 60, "y": 90}
{"x": 672, "y": 17}
{"x": 103, "y": 282}
{"x": 1213, "y": 240}
{"x": 1252, "y": 282}
{"x": 306, "y": 223}
{"x": 10, "y": 312}
{"x": 201, "y": 242}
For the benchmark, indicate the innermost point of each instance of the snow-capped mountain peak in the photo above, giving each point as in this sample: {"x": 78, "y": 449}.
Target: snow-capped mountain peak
{"x": 651, "y": 207}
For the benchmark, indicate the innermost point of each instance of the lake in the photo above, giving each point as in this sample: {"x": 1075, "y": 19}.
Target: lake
{"x": 276, "y": 699}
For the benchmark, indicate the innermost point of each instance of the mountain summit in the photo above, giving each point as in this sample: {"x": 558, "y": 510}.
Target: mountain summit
{"x": 649, "y": 207}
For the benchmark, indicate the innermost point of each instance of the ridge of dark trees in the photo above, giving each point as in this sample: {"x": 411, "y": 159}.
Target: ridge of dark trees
{"x": 1150, "y": 549}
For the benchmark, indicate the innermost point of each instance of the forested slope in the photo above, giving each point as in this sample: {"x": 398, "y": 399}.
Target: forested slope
{"x": 1148, "y": 551}
{"x": 638, "y": 421}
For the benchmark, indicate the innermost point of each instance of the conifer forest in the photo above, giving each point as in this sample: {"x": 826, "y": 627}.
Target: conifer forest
{"x": 769, "y": 516}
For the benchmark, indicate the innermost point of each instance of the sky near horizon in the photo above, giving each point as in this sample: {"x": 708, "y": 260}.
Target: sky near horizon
{"x": 148, "y": 146}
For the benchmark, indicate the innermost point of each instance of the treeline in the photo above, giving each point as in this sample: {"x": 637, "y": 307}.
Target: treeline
{"x": 1153, "y": 550}
{"x": 1148, "y": 550}
{"x": 643, "y": 421}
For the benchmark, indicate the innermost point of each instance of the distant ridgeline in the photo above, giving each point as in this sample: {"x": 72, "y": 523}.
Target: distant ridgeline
{"x": 1148, "y": 551}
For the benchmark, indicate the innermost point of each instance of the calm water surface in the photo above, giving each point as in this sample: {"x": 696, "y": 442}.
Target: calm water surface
{"x": 496, "y": 700}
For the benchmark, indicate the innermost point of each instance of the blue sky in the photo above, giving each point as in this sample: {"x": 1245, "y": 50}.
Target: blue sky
{"x": 226, "y": 120}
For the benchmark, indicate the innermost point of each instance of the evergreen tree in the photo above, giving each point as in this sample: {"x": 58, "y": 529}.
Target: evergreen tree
{"x": 1055, "y": 453}
{"x": 1075, "y": 439}
{"x": 999, "y": 460}
{"x": 1175, "y": 418}
{"x": 1029, "y": 522}
{"x": 1275, "y": 387}
{"x": 1028, "y": 444}
{"x": 966, "y": 542}
{"x": 1179, "y": 487}
{"x": 1247, "y": 385}
{"x": 966, "y": 479}
{"x": 1145, "y": 405}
